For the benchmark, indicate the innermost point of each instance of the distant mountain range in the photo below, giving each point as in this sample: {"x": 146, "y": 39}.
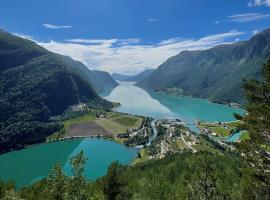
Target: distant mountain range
{"x": 142, "y": 75}
{"x": 216, "y": 73}
{"x": 35, "y": 85}
{"x": 138, "y": 77}
{"x": 120, "y": 77}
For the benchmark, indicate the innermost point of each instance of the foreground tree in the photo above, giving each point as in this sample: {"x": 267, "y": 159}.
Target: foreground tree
{"x": 257, "y": 121}
{"x": 112, "y": 182}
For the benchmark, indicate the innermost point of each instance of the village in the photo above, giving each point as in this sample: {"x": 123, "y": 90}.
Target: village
{"x": 172, "y": 136}
{"x": 137, "y": 136}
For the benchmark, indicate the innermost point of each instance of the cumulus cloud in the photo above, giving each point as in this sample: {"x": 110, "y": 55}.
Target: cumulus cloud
{"x": 51, "y": 26}
{"x": 247, "y": 17}
{"x": 259, "y": 3}
{"x": 113, "y": 55}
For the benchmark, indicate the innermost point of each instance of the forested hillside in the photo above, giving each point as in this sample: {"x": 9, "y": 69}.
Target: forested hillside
{"x": 216, "y": 73}
{"x": 101, "y": 81}
{"x": 35, "y": 84}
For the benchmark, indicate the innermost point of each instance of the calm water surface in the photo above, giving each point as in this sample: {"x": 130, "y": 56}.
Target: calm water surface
{"x": 139, "y": 101}
{"x": 31, "y": 164}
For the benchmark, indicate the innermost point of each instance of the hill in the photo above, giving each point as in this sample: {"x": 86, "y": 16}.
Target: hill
{"x": 100, "y": 80}
{"x": 140, "y": 76}
{"x": 216, "y": 73}
{"x": 35, "y": 85}
{"x": 120, "y": 77}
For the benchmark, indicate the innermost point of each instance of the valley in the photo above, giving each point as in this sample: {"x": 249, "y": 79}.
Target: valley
{"x": 135, "y": 100}
{"x": 126, "y": 126}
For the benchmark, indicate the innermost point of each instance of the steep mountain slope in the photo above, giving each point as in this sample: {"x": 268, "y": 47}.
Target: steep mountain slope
{"x": 35, "y": 84}
{"x": 100, "y": 80}
{"x": 216, "y": 73}
{"x": 142, "y": 75}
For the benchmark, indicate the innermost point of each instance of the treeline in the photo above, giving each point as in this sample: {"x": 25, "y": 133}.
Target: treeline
{"x": 182, "y": 176}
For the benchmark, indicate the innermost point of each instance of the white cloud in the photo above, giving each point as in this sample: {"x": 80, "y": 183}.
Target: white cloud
{"x": 51, "y": 26}
{"x": 247, "y": 17}
{"x": 152, "y": 20}
{"x": 217, "y": 22}
{"x": 170, "y": 41}
{"x": 259, "y": 3}
{"x": 109, "y": 42}
{"x": 111, "y": 56}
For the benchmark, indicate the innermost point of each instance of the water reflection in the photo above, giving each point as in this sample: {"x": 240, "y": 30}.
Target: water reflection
{"x": 135, "y": 100}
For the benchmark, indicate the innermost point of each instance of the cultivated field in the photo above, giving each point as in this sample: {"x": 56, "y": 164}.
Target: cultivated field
{"x": 85, "y": 129}
{"x": 89, "y": 125}
{"x": 117, "y": 123}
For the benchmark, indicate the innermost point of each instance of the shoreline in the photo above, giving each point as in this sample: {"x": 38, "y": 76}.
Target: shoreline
{"x": 230, "y": 104}
{"x": 63, "y": 139}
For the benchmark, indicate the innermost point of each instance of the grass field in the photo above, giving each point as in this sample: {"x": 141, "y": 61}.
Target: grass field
{"x": 86, "y": 118}
{"x": 88, "y": 125}
{"x": 117, "y": 123}
{"x": 126, "y": 120}
{"x": 223, "y": 132}
{"x": 235, "y": 124}
{"x": 219, "y": 130}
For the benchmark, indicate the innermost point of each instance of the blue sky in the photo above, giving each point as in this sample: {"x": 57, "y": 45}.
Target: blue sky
{"x": 128, "y": 36}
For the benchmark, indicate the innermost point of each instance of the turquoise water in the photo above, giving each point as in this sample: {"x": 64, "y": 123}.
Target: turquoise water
{"x": 141, "y": 102}
{"x": 235, "y": 136}
{"x": 34, "y": 163}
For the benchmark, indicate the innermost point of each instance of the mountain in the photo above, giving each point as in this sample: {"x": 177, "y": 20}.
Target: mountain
{"x": 100, "y": 80}
{"x": 35, "y": 85}
{"x": 120, "y": 77}
{"x": 142, "y": 75}
{"x": 216, "y": 73}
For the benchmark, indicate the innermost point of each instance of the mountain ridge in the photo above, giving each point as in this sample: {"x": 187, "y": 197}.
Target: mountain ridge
{"x": 206, "y": 73}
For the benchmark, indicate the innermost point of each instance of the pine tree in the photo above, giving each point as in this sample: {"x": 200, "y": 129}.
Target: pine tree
{"x": 257, "y": 120}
